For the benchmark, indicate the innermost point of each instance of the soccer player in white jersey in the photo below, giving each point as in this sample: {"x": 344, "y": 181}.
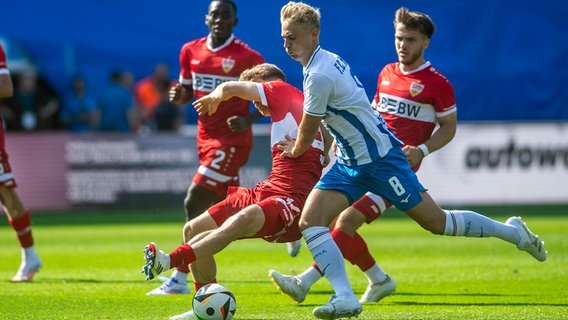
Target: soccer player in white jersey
{"x": 412, "y": 96}
{"x": 369, "y": 158}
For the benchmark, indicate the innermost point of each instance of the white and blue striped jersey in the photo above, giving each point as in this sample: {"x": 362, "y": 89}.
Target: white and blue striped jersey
{"x": 333, "y": 92}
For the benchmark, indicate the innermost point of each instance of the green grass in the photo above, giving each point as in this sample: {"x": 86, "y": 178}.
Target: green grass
{"x": 92, "y": 264}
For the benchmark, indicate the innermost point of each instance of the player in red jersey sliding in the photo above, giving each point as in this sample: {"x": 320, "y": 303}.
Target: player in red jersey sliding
{"x": 18, "y": 215}
{"x": 413, "y": 97}
{"x": 224, "y": 139}
{"x": 270, "y": 210}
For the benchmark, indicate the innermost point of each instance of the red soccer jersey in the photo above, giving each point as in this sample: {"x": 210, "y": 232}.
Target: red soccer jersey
{"x": 205, "y": 67}
{"x": 410, "y": 102}
{"x": 6, "y": 177}
{"x": 290, "y": 175}
{"x": 3, "y": 63}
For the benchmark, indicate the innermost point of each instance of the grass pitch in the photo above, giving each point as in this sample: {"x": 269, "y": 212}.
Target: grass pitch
{"x": 92, "y": 263}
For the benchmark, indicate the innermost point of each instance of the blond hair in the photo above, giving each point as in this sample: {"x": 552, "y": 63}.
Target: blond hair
{"x": 415, "y": 20}
{"x": 301, "y": 13}
{"x": 264, "y": 71}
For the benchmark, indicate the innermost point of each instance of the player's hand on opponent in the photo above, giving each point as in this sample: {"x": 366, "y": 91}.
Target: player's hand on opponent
{"x": 237, "y": 124}
{"x": 207, "y": 105}
{"x": 326, "y": 160}
{"x": 413, "y": 155}
{"x": 286, "y": 146}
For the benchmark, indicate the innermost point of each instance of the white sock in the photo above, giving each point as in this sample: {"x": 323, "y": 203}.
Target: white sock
{"x": 309, "y": 277}
{"x": 180, "y": 277}
{"x": 472, "y": 224}
{"x": 329, "y": 259}
{"x": 375, "y": 274}
{"x": 29, "y": 253}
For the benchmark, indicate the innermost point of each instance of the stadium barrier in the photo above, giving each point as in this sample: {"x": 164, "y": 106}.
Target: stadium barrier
{"x": 486, "y": 163}
{"x": 501, "y": 163}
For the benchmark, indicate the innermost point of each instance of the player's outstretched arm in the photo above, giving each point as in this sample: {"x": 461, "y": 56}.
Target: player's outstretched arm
{"x": 242, "y": 89}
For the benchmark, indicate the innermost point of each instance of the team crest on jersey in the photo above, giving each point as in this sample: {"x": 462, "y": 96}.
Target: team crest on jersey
{"x": 416, "y": 88}
{"x": 228, "y": 64}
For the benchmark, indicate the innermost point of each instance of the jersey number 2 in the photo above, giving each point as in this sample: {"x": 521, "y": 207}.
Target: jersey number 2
{"x": 220, "y": 157}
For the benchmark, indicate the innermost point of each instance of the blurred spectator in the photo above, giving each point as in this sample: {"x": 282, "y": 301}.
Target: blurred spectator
{"x": 149, "y": 94}
{"x": 33, "y": 107}
{"x": 167, "y": 115}
{"x": 78, "y": 113}
{"x": 115, "y": 110}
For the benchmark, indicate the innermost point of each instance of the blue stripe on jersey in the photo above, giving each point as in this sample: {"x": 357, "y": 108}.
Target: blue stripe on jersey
{"x": 354, "y": 121}
{"x": 348, "y": 150}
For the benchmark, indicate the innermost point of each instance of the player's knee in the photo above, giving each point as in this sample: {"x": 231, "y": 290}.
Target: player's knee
{"x": 350, "y": 220}
{"x": 303, "y": 224}
{"x": 188, "y": 232}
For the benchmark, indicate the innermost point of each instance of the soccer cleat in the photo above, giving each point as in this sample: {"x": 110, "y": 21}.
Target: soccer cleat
{"x": 289, "y": 285}
{"x": 156, "y": 261}
{"x": 27, "y": 270}
{"x": 529, "y": 242}
{"x": 376, "y": 291}
{"x": 294, "y": 247}
{"x": 185, "y": 315}
{"x": 171, "y": 286}
{"x": 339, "y": 307}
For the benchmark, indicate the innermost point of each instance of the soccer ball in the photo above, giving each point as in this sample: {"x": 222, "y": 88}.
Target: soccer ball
{"x": 214, "y": 301}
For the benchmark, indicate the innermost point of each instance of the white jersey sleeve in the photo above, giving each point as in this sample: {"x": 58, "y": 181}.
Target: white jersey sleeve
{"x": 333, "y": 92}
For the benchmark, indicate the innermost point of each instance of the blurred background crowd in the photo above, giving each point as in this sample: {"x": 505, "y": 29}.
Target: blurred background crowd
{"x": 107, "y": 66}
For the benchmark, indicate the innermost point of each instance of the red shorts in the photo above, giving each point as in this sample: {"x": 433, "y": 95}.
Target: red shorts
{"x": 220, "y": 167}
{"x": 6, "y": 176}
{"x": 281, "y": 212}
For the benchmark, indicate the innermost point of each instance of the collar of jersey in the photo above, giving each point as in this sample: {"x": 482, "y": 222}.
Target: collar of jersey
{"x": 422, "y": 67}
{"x": 312, "y": 58}
{"x": 221, "y": 46}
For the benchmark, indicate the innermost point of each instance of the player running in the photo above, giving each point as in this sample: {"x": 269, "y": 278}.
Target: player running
{"x": 224, "y": 139}
{"x": 270, "y": 210}
{"x": 413, "y": 97}
{"x": 18, "y": 215}
{"x": 369, "y": 158}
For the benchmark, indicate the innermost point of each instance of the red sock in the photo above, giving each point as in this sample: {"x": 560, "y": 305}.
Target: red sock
{"x": 182, "y": 256}
{"x": 198, "y": 285}
{"x": 184, "y": 268}
{"x": 343, "y": 241}
{"x": 23, "y": 228}
{"x": 359, "y": 253}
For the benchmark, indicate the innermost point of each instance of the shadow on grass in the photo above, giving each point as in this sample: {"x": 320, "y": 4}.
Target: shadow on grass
{"x": 472, "y": 294}
{"x": 479, "y": 304}
{"x": 74, "y": 281}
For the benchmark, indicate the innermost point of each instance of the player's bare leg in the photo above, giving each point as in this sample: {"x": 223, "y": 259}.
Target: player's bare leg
{"x": 321, "y": 208}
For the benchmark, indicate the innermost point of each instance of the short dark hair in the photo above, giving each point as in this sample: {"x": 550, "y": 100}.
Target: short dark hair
{"x": 415, "y": 20}
{"x": 231, "y": 2}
